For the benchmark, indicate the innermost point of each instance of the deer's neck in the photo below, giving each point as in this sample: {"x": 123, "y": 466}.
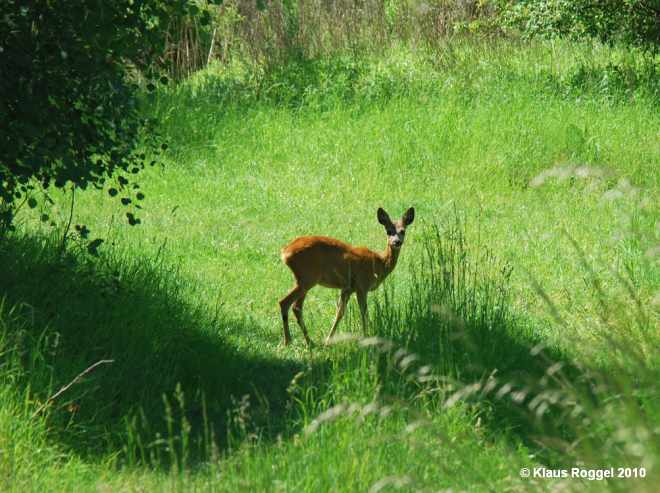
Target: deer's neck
{"x": 390, "y": 257}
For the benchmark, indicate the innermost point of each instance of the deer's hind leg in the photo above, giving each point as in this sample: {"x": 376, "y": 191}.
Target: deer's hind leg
{"x": 285, "y": 304}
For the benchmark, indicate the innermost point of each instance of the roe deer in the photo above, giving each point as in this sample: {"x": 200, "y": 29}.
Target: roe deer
{"x": 335, "y": 264}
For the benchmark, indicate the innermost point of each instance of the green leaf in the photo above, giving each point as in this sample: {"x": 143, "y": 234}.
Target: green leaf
{"x": 132, "y": 220}
{"x": 93, "y": 246}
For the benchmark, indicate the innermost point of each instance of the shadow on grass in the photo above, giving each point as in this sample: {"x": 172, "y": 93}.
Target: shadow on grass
{"x": 75, "y": 312}
{"x": 511, "y": 367}
{"x": 615, "y": 81}
{"x": 458, "y": 318}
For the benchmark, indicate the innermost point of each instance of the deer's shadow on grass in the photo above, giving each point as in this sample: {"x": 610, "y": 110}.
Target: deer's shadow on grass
{"x": 71, "y": 312}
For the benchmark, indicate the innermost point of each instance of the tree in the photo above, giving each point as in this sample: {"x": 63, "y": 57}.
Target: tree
{"x": 69, "y": 111}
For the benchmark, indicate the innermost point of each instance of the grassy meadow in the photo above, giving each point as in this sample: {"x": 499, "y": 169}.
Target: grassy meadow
{"x": 519, "y": 329}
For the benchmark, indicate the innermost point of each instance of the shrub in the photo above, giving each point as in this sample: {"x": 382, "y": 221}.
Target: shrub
{"x": 68, "y": 104}
{"x": 635, "y": 22}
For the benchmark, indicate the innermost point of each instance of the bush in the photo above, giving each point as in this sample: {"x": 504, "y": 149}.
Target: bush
{"x": 634, "y": 22}
{"x": 68, "y": 106}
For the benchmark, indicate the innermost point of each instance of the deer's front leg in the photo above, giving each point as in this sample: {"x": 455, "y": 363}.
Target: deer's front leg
{"x": 362, "y": 301}
{"x": 341, "y": 308}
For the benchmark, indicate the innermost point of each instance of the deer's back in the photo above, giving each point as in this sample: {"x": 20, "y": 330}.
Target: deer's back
{"x": 326, "y": 261}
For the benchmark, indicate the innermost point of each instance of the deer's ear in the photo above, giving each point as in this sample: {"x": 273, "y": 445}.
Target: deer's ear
{"x": 408, "y": 216}
{"x": 383, "y": 218}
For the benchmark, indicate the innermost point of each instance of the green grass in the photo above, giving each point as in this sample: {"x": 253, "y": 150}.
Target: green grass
{"x": 186, "y": 303}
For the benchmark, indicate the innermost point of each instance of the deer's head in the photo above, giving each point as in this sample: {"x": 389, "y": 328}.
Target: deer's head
{"x": 396, "y": 230}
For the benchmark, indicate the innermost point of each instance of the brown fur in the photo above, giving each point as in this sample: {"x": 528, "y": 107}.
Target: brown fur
{"x": 334, "y": 264}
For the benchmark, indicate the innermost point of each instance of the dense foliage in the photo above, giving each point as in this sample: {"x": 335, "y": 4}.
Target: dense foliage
{"x": 630, "y": 21}
{"x": 68, "y": 108}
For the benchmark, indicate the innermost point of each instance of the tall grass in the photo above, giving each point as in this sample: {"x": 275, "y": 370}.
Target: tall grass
{"x": 454, "y": 342}
{"x": 136, "y": 313}
{"x": 270, "y": 34}
{"x": 471, "y": 75}
{"x": 519, "y": 329}
{"x": 451, "y": 364}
